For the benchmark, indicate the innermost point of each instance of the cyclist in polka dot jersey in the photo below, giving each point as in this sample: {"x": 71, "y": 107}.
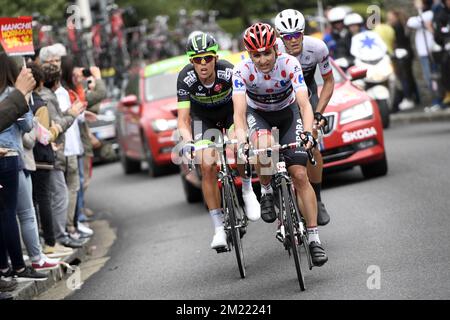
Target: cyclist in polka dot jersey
{"x": 269, "y": 91}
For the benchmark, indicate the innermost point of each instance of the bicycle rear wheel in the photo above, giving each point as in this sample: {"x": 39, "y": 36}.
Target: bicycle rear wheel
{"x": 289, "y": 211}
{"x": 230, "y": 206}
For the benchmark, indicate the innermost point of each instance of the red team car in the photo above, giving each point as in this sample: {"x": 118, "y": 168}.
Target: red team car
{"x": 147, "y": 117}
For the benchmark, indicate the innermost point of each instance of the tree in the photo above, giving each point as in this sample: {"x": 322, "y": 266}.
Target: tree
{"x": 53, "y": 9}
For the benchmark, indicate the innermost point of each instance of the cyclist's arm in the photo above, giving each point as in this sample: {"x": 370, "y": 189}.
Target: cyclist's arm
{"x": 301, "y": 94}
{"x": 305, "y": 109}
{"x": 326, "y": 93}
{"x": 184, "y": 121}
{"x": 328, "y": 79}
{"x": 240, "y": 117}
{"x": 239, "y": 105}
{"x": 184, "y": 107}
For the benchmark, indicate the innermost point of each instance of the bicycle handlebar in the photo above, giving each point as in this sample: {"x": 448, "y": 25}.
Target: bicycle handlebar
{"x": 213, "y": 146}
{"x": 278, "y": 147}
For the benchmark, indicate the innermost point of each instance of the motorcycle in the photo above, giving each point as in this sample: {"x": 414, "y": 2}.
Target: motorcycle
{"x": 369, "y": 52}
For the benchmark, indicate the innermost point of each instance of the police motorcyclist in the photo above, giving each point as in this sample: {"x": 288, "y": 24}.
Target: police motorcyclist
{"x": 339, "y": 39}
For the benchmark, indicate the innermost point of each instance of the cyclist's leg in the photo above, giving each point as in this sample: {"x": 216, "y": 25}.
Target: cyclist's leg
{"x": 291, "y": 127}
{"x": 305, "y": 194}
{"x": 252, "y": 206}
{"x": 315, "y": 172}
{"x": 296, "y": 161}
{"x": 207, "y": 160}
{"x": 203, "y": 132}
{"x": 261, "y": 137}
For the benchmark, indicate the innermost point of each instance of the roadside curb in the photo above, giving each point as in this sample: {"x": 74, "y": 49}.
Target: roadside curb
{"x": 420, "y": 116}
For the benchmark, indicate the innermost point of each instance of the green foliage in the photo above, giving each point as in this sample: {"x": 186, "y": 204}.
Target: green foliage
{"x": 54, "y": 9}
{"x": 232, "y": 25}
{"x": 234, "y": 14}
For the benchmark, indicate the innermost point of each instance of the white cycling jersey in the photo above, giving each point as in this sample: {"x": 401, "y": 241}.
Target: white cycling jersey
{"x": 314, "y": 53}
{"x": 273, "y": 91}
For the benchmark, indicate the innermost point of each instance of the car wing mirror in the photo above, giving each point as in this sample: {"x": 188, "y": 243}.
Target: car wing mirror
{"x": 357, "y": 73}
{"x": 129, "y": 101}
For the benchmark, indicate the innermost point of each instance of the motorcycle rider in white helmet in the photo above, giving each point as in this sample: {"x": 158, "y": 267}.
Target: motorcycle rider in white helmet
{"x": 339, "y": 40}
{"x": 310, "y": 52}
{"x": 354, "y": 22}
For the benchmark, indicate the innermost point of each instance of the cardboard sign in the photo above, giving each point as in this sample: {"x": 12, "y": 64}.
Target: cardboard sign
{"x": 16, "y": 36}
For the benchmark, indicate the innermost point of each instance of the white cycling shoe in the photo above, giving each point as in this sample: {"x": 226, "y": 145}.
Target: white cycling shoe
{"x": 220, "y": 239}
{"x": 252, "y": 206}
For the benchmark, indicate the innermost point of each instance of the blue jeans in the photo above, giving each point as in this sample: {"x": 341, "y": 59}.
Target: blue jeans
{"x": 27, "y": 216}
{"x": 9, "y": 230}
{"x": 59, "y": 202}
{"x": 427, "y": 69}
{"x": 79, "y": 215}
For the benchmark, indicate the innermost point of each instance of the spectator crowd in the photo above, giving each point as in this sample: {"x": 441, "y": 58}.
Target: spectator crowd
{"x": 46, "y": 152}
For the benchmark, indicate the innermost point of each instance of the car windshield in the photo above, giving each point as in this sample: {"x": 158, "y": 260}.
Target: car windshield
{"x": 161, "y": 86}
{"x": 337, "y": 76}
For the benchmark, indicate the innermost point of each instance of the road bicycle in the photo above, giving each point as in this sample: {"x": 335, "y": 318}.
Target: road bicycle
{"x": 292, "y": 226}
{"x": 235, "y": 219}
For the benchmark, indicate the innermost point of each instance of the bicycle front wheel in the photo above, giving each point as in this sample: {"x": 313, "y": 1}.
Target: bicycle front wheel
{"x": 231, "y": 207}
{"x": 290, "y": 210}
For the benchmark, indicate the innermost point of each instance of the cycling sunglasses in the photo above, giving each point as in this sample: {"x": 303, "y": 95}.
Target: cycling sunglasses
{"x": 208, "y": 59}
{"x": 291, "y": 36}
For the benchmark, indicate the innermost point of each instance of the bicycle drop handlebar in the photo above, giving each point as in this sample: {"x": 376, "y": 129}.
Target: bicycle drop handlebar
{"x": 284, "y": 147}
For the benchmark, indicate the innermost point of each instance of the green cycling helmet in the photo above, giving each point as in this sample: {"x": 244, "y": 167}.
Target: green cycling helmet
{"x": 200, "y": 43}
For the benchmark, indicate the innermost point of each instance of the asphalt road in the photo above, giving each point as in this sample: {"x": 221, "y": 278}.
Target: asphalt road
{"x": 397, "y": 225}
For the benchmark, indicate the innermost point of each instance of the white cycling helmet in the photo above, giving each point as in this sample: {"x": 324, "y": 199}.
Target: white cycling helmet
{"x": 289, "y": 21}
{"x": 337, "y": 14}
{"x": 194, "y": 33}
{"x": 353, "y": 18}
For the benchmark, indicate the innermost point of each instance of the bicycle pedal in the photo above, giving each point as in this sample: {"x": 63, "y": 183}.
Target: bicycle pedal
{"x": 222, "y": 249}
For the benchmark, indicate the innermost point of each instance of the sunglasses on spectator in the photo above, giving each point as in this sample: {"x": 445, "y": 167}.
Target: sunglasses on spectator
{"x": 198, "y": 60}
{"x": 291, "y": 36}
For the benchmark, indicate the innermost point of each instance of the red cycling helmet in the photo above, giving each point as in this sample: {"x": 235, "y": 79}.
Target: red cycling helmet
{"x": 259, "y": 37}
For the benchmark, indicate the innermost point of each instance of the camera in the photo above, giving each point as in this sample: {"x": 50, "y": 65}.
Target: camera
{"x": 86, "y": 73}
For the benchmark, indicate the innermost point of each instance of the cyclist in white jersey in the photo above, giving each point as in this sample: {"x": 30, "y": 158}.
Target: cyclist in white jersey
{"x": 269, "y": 91}
{"x": 310, "y": 52}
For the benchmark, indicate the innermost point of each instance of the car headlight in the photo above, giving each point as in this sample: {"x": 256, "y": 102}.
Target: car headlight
{"x": 164, "y": 125}
{"x": 357, "y": 112}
